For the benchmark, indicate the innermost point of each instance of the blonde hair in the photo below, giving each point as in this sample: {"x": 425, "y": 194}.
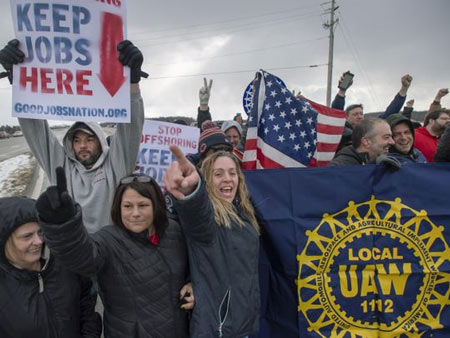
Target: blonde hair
{"x": 9, "y": 252}
{"x": 225, "y": 211}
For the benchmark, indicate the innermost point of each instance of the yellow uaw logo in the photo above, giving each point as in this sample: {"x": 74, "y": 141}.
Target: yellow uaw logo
{"x": 373, "y": 270}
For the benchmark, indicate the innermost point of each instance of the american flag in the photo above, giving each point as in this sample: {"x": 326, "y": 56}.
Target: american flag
{"x": 284, "y": 131}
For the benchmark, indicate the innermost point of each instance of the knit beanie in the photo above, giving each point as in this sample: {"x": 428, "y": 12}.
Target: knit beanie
{"x": 212, "y": 136}
{"x": 230, "y": 124}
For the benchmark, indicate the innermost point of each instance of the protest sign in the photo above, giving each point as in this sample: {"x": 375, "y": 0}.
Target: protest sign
{"x": 71, "y": 69}
{"x": 154, "y": 157}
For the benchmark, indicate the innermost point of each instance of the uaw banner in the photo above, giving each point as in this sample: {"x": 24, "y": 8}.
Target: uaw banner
{"x": 154, "y": 157}
{"x": 356, "y": 251}
{"x": 71, "y": 69}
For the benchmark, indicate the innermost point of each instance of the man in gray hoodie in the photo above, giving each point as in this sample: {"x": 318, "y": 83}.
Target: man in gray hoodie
{"x": 93, "y": 169}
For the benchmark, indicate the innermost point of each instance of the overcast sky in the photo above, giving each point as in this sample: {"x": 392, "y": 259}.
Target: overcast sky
{"x": 227, "y": 41}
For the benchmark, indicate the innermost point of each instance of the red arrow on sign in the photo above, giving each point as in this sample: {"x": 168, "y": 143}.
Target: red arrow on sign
{"x": 111, "y": 70}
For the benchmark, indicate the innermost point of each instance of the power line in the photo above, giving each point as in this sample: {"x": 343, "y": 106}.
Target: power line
{"x": 355, "y": 55}
{"x": 243, "y": 27}
{"x": 234, "y": 72}
{"x": 146, "y": 32}
{"x": 244, "y": 24}
{"x": 240, "y": 53}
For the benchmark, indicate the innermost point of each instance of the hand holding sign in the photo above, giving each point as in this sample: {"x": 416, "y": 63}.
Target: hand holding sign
{"x": 55, "y": 205}
{"x": 181, "y": 178}
{"x": 131, "y": 56}
{"x": 10, "y": 55}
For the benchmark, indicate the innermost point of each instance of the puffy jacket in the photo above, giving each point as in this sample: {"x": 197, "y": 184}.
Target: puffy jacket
{"x": 349, "y": 156}
{"x": 139, "y": 282}
{"x": 224, "y": 270}
{"x": 50, "y": 303}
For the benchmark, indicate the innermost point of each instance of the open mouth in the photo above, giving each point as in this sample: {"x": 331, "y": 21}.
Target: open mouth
{"x": 226, "y": 192}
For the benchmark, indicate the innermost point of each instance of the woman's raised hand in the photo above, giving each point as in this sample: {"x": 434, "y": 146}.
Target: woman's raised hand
{"x": 182, "y": 177}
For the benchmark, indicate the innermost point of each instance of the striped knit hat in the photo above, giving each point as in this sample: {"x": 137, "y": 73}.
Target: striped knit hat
{"x": 212, "y": 136}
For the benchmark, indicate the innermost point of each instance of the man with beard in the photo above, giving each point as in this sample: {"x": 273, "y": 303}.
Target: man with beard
{"x": 92, "y": 166}
{"x": 427, "y": 136}
{"x": 371, "y": 138}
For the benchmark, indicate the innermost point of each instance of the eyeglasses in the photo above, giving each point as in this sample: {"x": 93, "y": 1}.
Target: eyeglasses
{"x": 141, "y": 179}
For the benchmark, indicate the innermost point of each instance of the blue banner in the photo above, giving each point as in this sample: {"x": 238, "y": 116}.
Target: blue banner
{"x": 356, "y": 251}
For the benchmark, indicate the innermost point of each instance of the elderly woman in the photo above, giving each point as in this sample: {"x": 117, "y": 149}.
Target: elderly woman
{"x": 140, "y": 261}
{"x": 38, "y": 296}
{"x": 222, "y": 236}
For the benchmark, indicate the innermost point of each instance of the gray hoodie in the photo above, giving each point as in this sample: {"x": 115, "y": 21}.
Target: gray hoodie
{"x": 92, "y": 188}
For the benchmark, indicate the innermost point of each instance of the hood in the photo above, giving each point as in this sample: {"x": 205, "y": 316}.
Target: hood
{"x": 14, "y": 212}
{"x": 230, "y": 124}
{"x": 97, "y": 130}
{"x": 396, "y": 119}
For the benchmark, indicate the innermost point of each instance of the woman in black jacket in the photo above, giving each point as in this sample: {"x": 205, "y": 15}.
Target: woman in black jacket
{"x": 140, "y": 262}
{"x": 38, "y": 297}
{"x": 222, "y": 236}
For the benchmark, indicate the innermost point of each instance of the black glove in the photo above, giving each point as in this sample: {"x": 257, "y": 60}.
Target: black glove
{"x": 55, "y": 205}
{"x": 10, "y": 55}
{"x": 132, "y": 57}
{"x": 389, "y": 161}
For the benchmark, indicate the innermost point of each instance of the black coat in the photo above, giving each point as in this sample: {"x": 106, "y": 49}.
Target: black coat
{"x": 139, "y": 282}
{"x": 51, "y": 303}
{"x": 349, "y": 156}
{"x": 443, "y": 149}
{"x": 224, "y": 270}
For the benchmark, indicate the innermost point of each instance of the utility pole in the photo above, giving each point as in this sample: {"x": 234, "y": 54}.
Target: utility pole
{"x": 330, "y": 26}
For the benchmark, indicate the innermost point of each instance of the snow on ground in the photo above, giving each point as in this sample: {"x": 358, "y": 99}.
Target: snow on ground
{"x": 15, "y": 175}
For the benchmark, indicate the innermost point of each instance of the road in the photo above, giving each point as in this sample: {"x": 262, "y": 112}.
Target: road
{"x": 14, "y": 146}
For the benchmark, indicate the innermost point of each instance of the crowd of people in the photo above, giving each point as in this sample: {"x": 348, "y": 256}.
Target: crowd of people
{"x": 179, "y": 264}
{"x": 393, "y": 138}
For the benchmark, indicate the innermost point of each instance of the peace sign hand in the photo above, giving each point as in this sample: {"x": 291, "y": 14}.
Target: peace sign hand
{"x": 205, "y": 92}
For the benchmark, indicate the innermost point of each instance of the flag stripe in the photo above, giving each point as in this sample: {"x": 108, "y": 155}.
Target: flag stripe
{"x": 327, "y": 111}
{"x": 329, "y": 129}
{"x": 325, "y": 156}
{"x": 284, "y": 131}
{"x": 326, "y": 147}
{"x": 324, "y": 138}
{"x": 267, "y": 152}
{"x": 265, "y": 162}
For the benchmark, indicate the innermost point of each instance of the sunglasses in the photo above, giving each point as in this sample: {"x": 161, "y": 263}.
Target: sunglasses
{"x": 141, "y": 179}
{"x": 221, "y": 148}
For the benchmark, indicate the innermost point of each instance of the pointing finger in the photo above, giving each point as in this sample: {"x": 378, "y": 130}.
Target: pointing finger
{"x": 210, "y": 84}
{"x": 182, "y": 160}
{"x": 61, "y": 180}
{"x": 205, "y": 83}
